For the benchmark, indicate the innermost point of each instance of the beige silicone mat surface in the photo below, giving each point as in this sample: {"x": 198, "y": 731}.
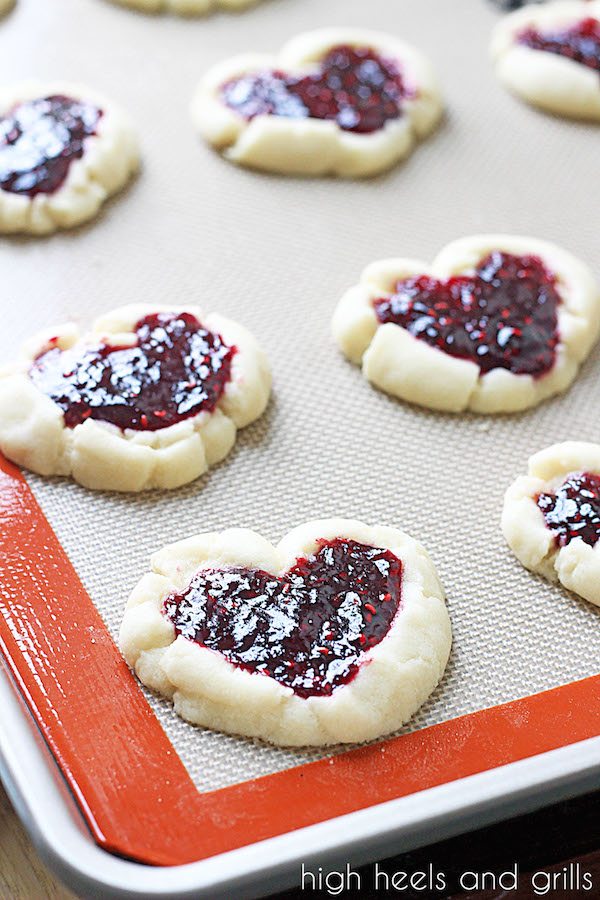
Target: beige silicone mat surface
{"x": 276, "y": 253}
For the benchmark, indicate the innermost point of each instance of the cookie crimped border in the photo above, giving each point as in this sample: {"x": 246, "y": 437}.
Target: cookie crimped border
{"x": 315, "y": 146}
{"x": 101, "y": 456}
{"x": 109, "y": 160}
{"x": 186, "y": 7}
{"x": 406, "y": 367}
{"x": 394, "y": 678}
{"x": 547, "y": 80}
{"x": 577, "y": 565}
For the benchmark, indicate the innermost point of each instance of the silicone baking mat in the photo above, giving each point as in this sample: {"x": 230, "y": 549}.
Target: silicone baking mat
{"x": 276, "y": 254}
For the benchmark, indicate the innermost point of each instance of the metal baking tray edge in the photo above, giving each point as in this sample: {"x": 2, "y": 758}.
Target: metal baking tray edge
{"x": 51, "y": 817}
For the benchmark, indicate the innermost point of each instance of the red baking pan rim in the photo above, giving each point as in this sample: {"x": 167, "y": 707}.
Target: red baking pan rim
{"x": 131, "y": 786}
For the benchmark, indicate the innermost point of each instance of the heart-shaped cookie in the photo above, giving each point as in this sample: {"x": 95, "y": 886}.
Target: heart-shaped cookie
{"x": 551, "y": 517}
{"x": 550, "y": 56}
{"x": 337, "y": 634}
{"x": 151, "y": 398}
{"x": 336, "y": 101}
{"x": 63, "y": 150}
{"x": 496, "y": 324}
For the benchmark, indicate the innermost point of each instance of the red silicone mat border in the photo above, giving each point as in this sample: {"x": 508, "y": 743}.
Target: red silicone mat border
{"x": 131, "y": 786}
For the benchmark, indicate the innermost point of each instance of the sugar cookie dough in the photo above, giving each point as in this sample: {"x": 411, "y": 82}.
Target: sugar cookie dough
{"x": 63, "y": 150}
{"x": 551, "y": 517}
{"x": 549, "y": 55}
{"x": 337, "y": 634}
{"x": 151, "y": 398}
{"x": 496, "y": 324}
{"x": 338, "y": 101}
{"x": 186, "y": 7}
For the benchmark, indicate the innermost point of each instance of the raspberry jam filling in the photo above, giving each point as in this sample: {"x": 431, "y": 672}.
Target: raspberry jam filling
{"x": 574, "y": 510}
{"x": 353, "y": 86}
{"x": 306, "y": 629}
{"x": 581, "y": 43}
{"x": 39, "y": 139}
{"x": 503, "y": 316}
{"x": 174, "y": 370}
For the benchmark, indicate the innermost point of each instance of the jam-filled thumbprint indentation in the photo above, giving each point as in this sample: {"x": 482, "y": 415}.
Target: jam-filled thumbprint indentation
{"x": 308, "y": 628}
{"x": 353, "y": 86}
{"x": 573, "y": 511}
{"x": 581, "y": 42}
{"x": 176, "y": 368}
{"x": 504, "y": 315}
{"x": 39, "y": 139}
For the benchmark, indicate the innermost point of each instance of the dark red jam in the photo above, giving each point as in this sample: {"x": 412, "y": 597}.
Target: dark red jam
{"x": 581, "y": 43}
{"x": 503, "y": 316}
{"x": 306, "y": 629}
{"x": 353, "y": 86}
{"x": 574, "y": 510}
{"x": 175, "y": 369}
{"x": 39, "y": 139}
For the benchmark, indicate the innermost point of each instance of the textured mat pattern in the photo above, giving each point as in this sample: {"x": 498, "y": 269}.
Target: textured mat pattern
{"x": 276, "y": 254}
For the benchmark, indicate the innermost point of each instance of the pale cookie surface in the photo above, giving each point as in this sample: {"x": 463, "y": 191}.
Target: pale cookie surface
{"x": 319, "y": 701}
{"x": 5, "y": 6}
{"x": 285, "y": 113}
{"x": 454, "y": 335}
{"x": 526, "y": 49}
{"x": 551, "y": 517}
{"x": 186, "y": 7}
{"x": 74, "y": 148}
{"x": 116, "y": 420}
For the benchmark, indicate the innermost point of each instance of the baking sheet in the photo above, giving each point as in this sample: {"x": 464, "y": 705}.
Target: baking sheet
{"x": 276, "y": 254}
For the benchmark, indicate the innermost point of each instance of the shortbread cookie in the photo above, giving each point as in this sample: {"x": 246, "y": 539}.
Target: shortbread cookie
{"x": 63, "y": 150}
{"x": 337, "y": 634}
{"x": 340, "y": 101}
{"x": 550, "y": 56}
{"x": 5, "y": 6}
{"x": 495, "y": 324}
{"x": 186, "y": 7}
{"x": 551, "y": 517}
{"x": 150, "y": 399}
